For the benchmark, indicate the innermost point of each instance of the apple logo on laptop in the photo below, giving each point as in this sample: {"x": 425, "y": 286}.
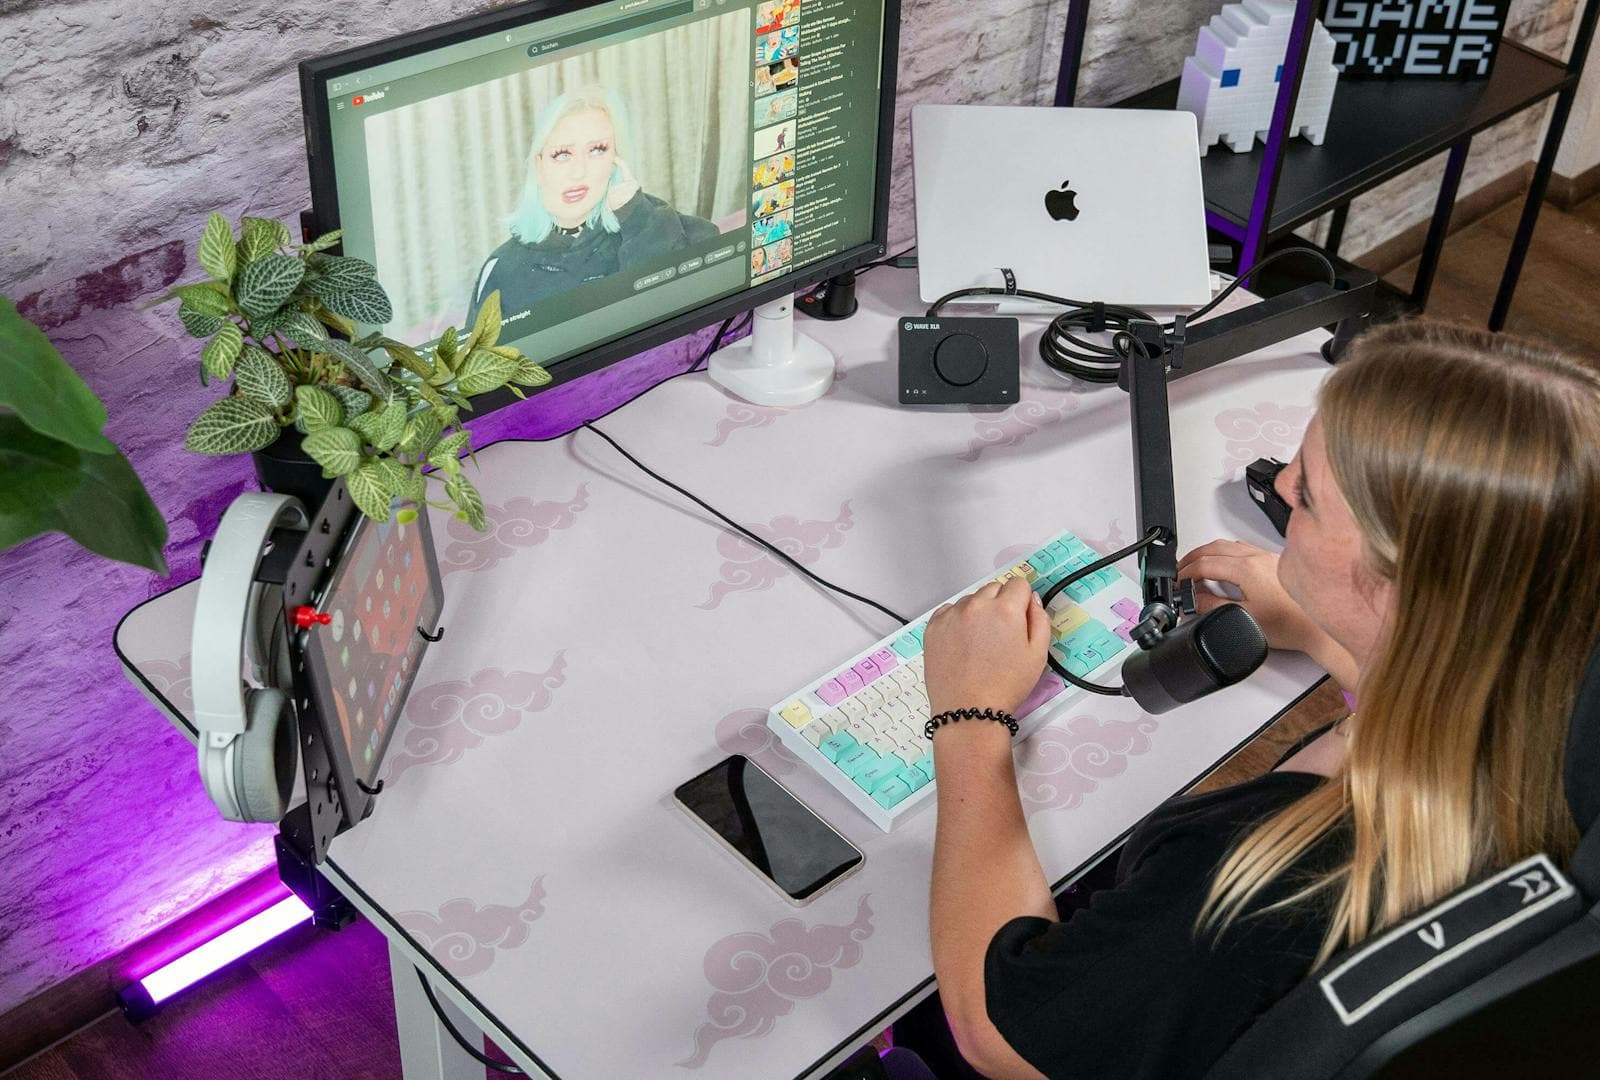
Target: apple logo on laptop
{"x": 1059, "y": 204}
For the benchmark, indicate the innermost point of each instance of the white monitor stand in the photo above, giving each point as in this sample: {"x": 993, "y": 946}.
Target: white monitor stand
{"x": 774, "y": 365}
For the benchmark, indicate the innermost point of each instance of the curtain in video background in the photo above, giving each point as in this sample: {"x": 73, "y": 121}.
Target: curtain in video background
{"x": 445, "y": 174}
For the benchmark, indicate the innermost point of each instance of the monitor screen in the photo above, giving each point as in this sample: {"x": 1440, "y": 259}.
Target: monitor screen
{"x": 609, "y": 168}
{"x": 362, "y": 662}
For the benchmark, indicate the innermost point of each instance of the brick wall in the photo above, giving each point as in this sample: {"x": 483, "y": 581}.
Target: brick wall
{"x": 121, "y": 124}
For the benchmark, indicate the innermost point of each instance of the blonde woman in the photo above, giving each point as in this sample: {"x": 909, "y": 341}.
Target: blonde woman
{"x": 582, "y": 216}
{"x": 1440, "y": 564}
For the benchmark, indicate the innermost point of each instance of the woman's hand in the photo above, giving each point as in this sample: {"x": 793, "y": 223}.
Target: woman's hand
{"x": 1254, "y": 573}
{"x": 987, "y": 650}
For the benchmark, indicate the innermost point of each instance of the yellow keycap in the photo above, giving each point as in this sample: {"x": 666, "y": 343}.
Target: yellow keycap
{"x": 796, "y": 713}
{"x": 1066, "y": 620}
{"x": 1026, "y": 572}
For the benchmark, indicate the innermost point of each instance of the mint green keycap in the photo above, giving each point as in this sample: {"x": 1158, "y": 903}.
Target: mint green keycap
{"x": 925, "y": 765}
{"x": 907, "y": 646}
{"x": 1107, "y": 645}
{"x": 869, "y": 777}
{"x": 890, "y": 791}
{"x": 837, "y": 745}
{"x": 855, "y": 759}
{"x": 913, "y": 776}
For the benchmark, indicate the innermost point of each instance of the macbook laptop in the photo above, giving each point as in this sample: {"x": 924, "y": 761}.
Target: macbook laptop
{"x": 1089, "y": 204}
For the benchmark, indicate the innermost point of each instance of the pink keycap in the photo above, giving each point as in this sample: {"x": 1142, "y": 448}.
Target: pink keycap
{"x": 1124, "y": 632}
{"x": 1048, "y": 686}
{"x": 886, "y": 660}
{"x": 1128, "y": 609}
{"x": 867, "y": 670}
{"x": 851, "y": 681}
{"x": 832, "y": 692}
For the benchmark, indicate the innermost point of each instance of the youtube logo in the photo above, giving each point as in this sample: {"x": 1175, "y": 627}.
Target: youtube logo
{"x": 358, "y": 100}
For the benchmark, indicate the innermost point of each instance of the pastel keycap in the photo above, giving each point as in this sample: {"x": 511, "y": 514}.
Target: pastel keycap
{"x": 869, "y": 776}
{"x": 796, "y": 713}
{"x": 850, "y": 679}
{"x": 867, "y": 669}
{"x": 832, "y": 692}
{"x": 912, "y": 776}
{"x": 891, "y": 791}
{"x": 815, "y": 732}
{"x": 925, "y": 766}
{"x": 907, "y": 646}
{"x": 837, "y": 745}
{"x": 1128, "y": 609}
{"x": 886, "y": 660}
{"x": 856, "y": 759}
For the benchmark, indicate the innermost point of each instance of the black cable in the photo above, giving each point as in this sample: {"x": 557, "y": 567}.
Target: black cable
{"x": 726, "y": 520}
{"x": 716, "y": 340}
{"x": 863, "y": 268}
{"x": 497, "y": 1066}
{"x": 1053, "y": 591}
{"x": 1091, "y": 361}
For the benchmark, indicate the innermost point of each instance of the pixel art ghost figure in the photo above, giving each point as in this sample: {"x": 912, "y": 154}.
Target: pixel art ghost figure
{"x": 1231, "y": 81}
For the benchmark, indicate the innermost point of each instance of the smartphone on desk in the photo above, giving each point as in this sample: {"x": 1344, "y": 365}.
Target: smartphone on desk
{"x": 776, "y": 834}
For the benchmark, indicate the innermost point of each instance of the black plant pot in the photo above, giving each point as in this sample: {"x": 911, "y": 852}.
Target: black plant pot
{"x": 284, "y": 468}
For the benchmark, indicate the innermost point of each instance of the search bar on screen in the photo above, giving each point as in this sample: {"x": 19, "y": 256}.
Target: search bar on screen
{"x": 608, "y": 29}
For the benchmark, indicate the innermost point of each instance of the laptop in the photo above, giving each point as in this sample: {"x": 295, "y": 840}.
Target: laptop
{"x": 1089, "y": 204}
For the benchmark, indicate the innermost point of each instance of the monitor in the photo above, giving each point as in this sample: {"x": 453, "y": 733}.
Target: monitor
{"x": 623, "y": 172}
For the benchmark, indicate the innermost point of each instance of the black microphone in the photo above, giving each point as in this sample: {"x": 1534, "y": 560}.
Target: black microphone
{"x": 1197, "y": 658}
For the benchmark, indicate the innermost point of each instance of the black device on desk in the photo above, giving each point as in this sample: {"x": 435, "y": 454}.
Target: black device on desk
{"x": 797, "y": 852}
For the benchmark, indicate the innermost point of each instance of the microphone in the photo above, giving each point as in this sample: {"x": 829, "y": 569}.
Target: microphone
{"x": 1197, "y": 658}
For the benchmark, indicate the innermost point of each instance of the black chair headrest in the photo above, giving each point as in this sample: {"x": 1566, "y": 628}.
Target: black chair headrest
{"x": 1582, "y": 772}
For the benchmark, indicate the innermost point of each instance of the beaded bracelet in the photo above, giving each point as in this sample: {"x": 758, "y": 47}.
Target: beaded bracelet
{"x": 950, "y": 716}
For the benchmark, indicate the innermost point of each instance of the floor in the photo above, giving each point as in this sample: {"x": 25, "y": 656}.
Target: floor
{"x": 316, "y": 1005}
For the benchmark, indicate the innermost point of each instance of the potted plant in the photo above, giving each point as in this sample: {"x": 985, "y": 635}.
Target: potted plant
{"x": 280, "y": 319}
{"x": 58, "y": 473}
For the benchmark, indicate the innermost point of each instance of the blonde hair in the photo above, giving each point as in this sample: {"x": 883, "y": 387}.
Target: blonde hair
{"x": 1471, "y": 464}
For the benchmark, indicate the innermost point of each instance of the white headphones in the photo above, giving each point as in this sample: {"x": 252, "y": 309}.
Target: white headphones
{"x": 248, "y": 749}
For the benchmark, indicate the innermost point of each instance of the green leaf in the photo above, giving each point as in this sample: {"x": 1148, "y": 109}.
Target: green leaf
{"x": 466, "y": 497}
{"x": 317, "y": 407}
{"x": 483, "y": 371}
{"x": 486, "y": 328}
{"x": 343, "y": 271}
{"x": 336, "y": 449}
{"x": 262, "y": 379}
{"x": 217, "y": 358}
{"x": 302, "y": 328}
{"x": 446, "y": 348}
{"x": 199, "y": 324}
{"x": 355, "y": 401}
{"x": 396, "y": 477}
{"x": 48, "y": 395}
{"x": 218, "y": 253}
{"x": 337, "y": 322}
{"x": 204, "y": 297}
{"x": 366, "y": 370}
{"x": 391, "y": 425}
{"x": 369, "y": 489}
{"x": 261, "y": 236}
{"x": 421, "y": 432}
{"x": 530, "y": 374}
{"x": 323, "y": 242}
{"x": 234, "y": 425}
{"x": 263, "y": 285}
{"x": 369, "y": 425}
{"x": 47, "y": 485}
{"x": 406, "y": 515}
{"x": 365, "y": 302}
{"x": 416, "y": 486}
{"x": 399, "y": 353}
{"x": 448, "y": 449}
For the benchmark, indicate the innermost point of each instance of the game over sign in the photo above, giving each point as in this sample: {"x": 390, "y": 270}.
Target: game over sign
{"x": 1441, "y": 39}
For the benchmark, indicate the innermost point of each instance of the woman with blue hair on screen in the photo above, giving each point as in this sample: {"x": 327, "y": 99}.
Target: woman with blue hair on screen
{"x": 582, "y": 215}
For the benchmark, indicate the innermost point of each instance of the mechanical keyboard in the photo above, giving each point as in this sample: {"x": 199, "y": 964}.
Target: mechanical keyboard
{"x": 861, "y": 724}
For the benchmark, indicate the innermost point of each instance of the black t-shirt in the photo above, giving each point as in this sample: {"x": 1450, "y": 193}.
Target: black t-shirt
{"x": 1125, "y": 988}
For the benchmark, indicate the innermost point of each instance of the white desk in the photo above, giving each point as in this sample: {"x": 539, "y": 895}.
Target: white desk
{"x": 606, "y": 640}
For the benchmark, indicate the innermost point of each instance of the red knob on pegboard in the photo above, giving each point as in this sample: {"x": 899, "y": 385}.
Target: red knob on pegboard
{"x": 305, "y": 615}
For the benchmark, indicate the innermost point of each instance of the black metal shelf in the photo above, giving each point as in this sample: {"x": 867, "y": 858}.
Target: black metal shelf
{"x": 1376, "y": 131}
